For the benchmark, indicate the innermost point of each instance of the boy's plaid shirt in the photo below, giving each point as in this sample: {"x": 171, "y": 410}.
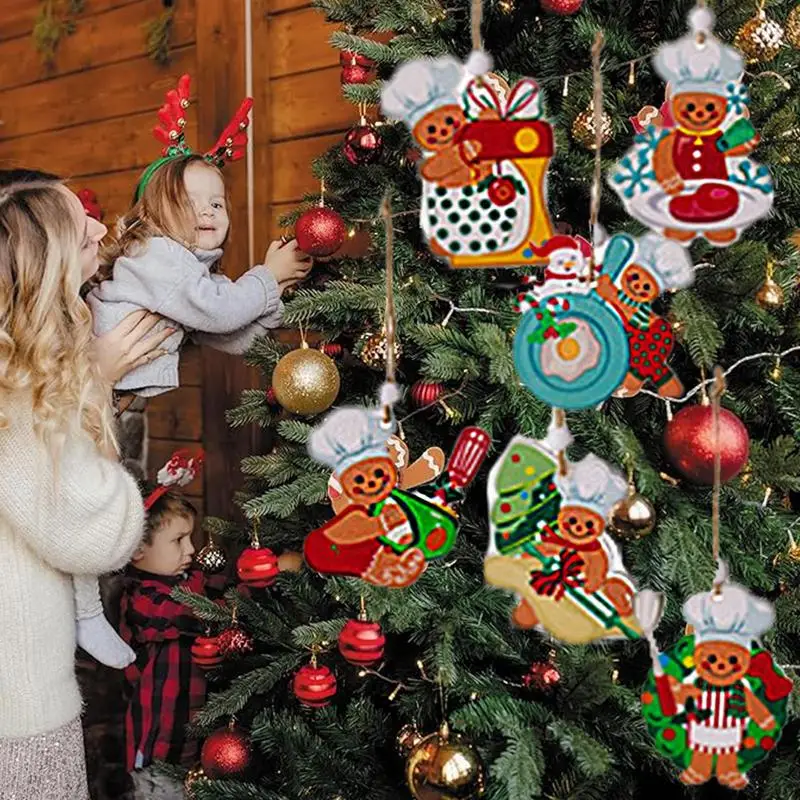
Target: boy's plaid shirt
{"x": 166, "y": 687}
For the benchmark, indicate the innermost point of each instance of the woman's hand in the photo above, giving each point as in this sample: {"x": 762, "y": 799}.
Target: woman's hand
{"x": 131, "y": 344}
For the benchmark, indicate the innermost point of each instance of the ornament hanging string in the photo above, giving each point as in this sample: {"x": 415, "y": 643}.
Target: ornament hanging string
{"x": 389, "y": 316}
{"x": 716, "y": 396}
{"x": 597, "y": 181}
{"x": 560, "y": 419}
{"x": 476, "y": 17}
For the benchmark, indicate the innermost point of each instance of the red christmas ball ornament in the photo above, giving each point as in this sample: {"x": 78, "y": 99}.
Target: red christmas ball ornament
{"x": 226, "y": 753}
{"x": 234, "y": 643}
{"x": 320, "y": 231}
{"x": 272, "y": 400}
{"x": 426, "y": 393}
{"x": 348, "y": 57}
{"x": 542, "y": 677}
{"x": 257, "y": 567}
{"x": 362, "y": 642}
{"x": 362, "y": 145}
{"x": 562, "y": 7}
{"x": 314, "y": 686}
{"x": 689, "y": 443}
{"x": 502, "y": 191}
{"x": 332, "y": 349}
{"x": 356, "y": 73}
{"x": 205, "y": 652}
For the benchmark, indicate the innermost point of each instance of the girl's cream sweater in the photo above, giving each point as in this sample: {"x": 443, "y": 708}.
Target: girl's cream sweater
{"x": 87, "y": 520}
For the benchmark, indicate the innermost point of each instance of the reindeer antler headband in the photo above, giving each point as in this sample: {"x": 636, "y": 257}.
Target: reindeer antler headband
{"x": 180, "y": 470}
{"x": 171, "y": 133}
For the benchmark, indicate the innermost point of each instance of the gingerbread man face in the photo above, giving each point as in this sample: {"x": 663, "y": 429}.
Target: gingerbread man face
{"x": 699, "y": 111}
{"x": 437, "y": 129}
{"x": 721, "y": 663}
{"x": 579, "y": 525}
{"x": 369, "y": 481}
{"x": 639, "y": 284}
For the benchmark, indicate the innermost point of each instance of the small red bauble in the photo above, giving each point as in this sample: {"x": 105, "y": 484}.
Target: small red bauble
{"x": 502, "y": 191}
{"x": 226, "y": 754}
{"x": 347, "y": 58}
{"x": 362, "y": 642}
{"x": 320, "y": 231}
{"x": 272, "y": 400}
{"x": 689, "y": 442}
{"x": 542, "y": 676}
{"x": 205, "y": 652}
{"x": 314, "y": 686}
{"x": 362, "y": 145}
{"x": 356, "y": 73}
{"x": 257, "y": 567}
{"x": 425, "y": 393}
{"x": 234, "y": 643}
{"x": 332, "y": 349}
{"x": 563, "y": 7}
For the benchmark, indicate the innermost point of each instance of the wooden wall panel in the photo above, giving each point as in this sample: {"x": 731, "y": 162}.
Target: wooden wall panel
{"x": 299, "y": 42}
{"x": 177, "y": 414}
{"x": 277, "y": 6}
{"x": 105, "y": 38}
{"x": 18, "y": 16}
{"x": 291, "y": 166}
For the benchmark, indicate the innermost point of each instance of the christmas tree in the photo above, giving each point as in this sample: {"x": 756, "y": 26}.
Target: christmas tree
{"x": 546, "y": 719}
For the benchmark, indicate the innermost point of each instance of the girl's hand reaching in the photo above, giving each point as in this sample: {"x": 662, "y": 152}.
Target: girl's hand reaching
{"x": 287, "y": 264}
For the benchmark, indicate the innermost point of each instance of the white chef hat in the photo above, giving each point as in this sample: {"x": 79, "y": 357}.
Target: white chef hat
{"x": 735, "y": 616}
{"x": 592, "y": 483}
{"x": 668, "y": 261}
{"x": 349, "y": 435}
{"x": 692, "y": 66}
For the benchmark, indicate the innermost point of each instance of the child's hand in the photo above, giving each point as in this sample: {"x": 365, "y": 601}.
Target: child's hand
{"x": 287, "y": 264}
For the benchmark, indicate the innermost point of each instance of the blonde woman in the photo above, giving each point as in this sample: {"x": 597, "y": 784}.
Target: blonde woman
{"x": 66, "y": 506}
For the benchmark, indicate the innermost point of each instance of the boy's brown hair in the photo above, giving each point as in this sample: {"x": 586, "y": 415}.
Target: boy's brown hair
{"x": 169, "y": 505}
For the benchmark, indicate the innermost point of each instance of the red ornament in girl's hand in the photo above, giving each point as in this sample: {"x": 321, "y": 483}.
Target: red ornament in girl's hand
{"x": 314, "y": 686}
{"x": 226, "y": 754}
{"x": 257, "y": 567}
{"x": 689, "y": 442}
{"x": 562, "y": 7}
{"x": 362, "y": 642}
{"x": 320, "y": 232}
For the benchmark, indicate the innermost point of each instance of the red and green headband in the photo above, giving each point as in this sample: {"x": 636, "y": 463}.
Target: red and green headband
{"x": 180, "y": 470}
{"x": 171, "y": 133}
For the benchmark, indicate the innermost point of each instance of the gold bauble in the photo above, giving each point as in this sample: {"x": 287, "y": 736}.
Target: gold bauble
{"x": 193, "y": 777}
{"x": 633, "y": 517}
{"x": 290, "y": 561}
{"x": 444, "y": 766}
{"x": 371, "y": 349}
{"x": 770, "y": 295}
{"x": 305, "y": 381}
{"x": 759, "y": 39}
{"x": 583, "y": 130}
{"x": 793, "y": 27}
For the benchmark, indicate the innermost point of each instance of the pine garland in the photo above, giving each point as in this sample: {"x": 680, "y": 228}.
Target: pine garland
{"x": 54, "y": 20}
{"x": 159, "y": 35}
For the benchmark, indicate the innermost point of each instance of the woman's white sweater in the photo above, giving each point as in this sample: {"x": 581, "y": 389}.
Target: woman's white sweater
{"x": 87, "y": 520}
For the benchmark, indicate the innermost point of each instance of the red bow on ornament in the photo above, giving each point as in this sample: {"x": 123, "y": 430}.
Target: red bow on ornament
{"x": 180, "y": 470}
{"x": 91, "y": 204}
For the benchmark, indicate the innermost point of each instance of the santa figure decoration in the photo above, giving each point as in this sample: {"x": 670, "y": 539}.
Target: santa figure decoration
{"x": 691, "y": 177}
{"x": 382, "y": 533}
{"x": 728, "y": 699}
{"x": 486, "y": 151}
{"x": 549, "y": 544}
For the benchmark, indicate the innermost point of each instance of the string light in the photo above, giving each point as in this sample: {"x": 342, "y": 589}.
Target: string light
{"x": 506, "y": 6}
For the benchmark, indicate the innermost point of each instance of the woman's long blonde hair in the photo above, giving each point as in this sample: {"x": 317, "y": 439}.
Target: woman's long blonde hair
{"x": 45, "y": 327}
{"x": 164, "y": 209}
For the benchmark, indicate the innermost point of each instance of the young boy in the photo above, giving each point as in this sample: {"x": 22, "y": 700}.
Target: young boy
{"x": 166, "y": 687}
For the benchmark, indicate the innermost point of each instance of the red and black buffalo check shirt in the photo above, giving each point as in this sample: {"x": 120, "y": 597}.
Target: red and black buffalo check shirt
{"x": 166, "y": 687}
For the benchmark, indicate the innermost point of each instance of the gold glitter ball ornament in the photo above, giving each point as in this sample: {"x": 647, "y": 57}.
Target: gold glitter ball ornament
{"x": 444, "y": 766}
{"x": 770, "y": 296}
{"x": 759, "y": 39}
{"x": 306, "y": 381}
{"x": 793, "y": 27}
{"x": 633, "y": 517}
{"x": 583, "y": 130}
{"x": 371, "y": 349}
{"x": 193, "y": 777}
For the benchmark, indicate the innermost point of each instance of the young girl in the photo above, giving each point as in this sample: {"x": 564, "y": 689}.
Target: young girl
{"x": 168, "y": 248}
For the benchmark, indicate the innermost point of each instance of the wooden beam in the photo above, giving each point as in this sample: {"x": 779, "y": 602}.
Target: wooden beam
{"x": 299, "y": 42}
{"x": 291, "y": 166}
{"x": 220, "y": 86}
